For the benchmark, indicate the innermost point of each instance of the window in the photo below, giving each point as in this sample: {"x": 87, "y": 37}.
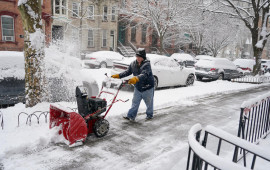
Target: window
{"x": 112, "y": 40}
{"x": 60, "y": 7}
{"x": 91, "y": 12}
{"x": 7, "y": 24}
{"x": 64, "y": 7}
{"x": 144, "y": 31}
{"x": 90, "y": 38}
{"x": 133, "y": 32}
{"x": 113, "y": 13}
{"x": 105, "y": 13}
{"x": 75, "y": 9}
{"x": 104, "y": 38}
{"x": 57, "y": 7}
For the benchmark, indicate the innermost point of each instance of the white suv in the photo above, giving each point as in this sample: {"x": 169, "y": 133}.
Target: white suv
{"x": 167, "y": 72}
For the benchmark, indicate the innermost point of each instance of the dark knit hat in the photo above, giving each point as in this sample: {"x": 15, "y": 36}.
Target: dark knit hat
{"x": 141, "y": 52}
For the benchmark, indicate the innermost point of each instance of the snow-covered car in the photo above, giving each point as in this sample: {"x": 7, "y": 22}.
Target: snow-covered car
{"x": 245, "y": 66}
{"x": 102, "y": 59}
{"x": 167, "y": 72}
{"x": 12, "y": 84}
{"x": 198, "y": 57}
{"x": 184, "y": 59}
{"x": 265, "y": 65}
{"x": 216, "y": 68}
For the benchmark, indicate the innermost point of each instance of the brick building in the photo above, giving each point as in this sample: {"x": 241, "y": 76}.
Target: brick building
{"x": 95, "y": 21}
{"x": 11, "y": 28}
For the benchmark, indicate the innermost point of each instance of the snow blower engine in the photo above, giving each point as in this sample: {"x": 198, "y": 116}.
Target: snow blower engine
{"x": 92, "y": 105}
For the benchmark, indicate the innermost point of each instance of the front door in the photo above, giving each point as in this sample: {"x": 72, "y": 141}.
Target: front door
{"x": 121, "y": 34}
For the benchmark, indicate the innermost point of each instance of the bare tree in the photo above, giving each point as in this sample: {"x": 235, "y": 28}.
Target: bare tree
{"x": 252, "y": 13}
{"x": 33, "y": 50}
{"x": 161, "y": 15}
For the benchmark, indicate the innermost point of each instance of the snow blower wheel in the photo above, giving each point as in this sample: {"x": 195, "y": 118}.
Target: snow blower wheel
{"x": 101, "y": 127}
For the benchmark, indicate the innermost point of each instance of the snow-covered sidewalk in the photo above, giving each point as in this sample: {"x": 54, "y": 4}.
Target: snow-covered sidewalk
{"x": 27, "y": 139}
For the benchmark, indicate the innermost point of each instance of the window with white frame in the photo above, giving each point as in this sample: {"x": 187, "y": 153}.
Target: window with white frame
{"x": 90, "y": 38}
{"x": 105, "y": 13}
{"x": 91, "y": 12}
{"x": 113, "y": 13}
{"x": 7, "y": 24}
{"x": 75, "y": 9}
{"x": 104, "y": 38}
{"x": 60, "y": 7}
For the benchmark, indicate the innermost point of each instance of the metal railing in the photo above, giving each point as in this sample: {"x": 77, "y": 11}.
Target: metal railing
{"x": 254, "y": 122}
{"x": 201, "y": 158}
{"x": 36, "y": 114}
{"x": 252, "y": 79}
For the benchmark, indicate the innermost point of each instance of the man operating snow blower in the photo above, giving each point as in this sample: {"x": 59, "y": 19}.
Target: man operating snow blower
{"x": 143, "y": 81}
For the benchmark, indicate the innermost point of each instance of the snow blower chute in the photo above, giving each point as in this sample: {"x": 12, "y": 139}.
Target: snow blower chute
{"x": 77, "y": 126}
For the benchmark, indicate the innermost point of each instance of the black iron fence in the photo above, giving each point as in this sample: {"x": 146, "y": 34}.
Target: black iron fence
{"x": 254, "y": 123}
{"x": 199, "y": 157}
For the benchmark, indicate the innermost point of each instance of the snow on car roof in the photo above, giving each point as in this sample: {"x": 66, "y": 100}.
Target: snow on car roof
{"x": 223, "y": 63}
{"x": 12, "y": 64}
{"x": 198, "y": 57}
{"x": 182, "y": 56}
{"x": 244, "y": 63}
{"x": 151, "y": 57}
{"x": 155, "y": 57}
{"x": 109, "y": 54}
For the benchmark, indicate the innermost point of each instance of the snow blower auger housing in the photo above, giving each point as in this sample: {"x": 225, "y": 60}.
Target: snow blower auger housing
{"x": 75, "y": 127}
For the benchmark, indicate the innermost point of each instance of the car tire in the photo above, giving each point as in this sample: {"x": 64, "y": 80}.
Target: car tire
{"x": 103, "y": 65}
{"x": 221, "y": 76}
{"x": 155, "y": 82}
{"x": 199, "y": 78}
{"x": 190, "y": 80}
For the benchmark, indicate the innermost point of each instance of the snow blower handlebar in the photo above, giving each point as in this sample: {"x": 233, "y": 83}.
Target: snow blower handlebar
{"x": 123, "y": 83}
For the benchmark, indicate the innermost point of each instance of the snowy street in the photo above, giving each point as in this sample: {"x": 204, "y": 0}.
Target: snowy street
{"x": 157, "y": 144}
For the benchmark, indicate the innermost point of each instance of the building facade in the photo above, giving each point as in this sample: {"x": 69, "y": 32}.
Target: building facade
{"x": 11, "y": 27}
{"x": 85, "y": 26}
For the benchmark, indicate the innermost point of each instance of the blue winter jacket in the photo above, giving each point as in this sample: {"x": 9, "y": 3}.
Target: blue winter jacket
{"x": 143, "y": 72}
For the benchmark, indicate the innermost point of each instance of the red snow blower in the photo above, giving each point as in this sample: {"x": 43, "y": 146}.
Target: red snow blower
{"x": 76, "y": 126}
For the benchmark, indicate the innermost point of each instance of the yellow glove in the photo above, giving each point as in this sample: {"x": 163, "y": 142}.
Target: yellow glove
{"x": 115, "y": 76}
{"x": 133, "y": 80}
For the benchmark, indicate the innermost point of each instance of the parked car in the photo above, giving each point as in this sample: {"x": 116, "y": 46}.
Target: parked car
{"x": 102, "y": 59}
{"x": 166, "y": 71}
{"x": 245, "y": 66}
{"x": 184, "y": 59}
{"x": 216, "y": 68}
{"x": 265, "y": 64}
{"x": 12, "y": 85}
